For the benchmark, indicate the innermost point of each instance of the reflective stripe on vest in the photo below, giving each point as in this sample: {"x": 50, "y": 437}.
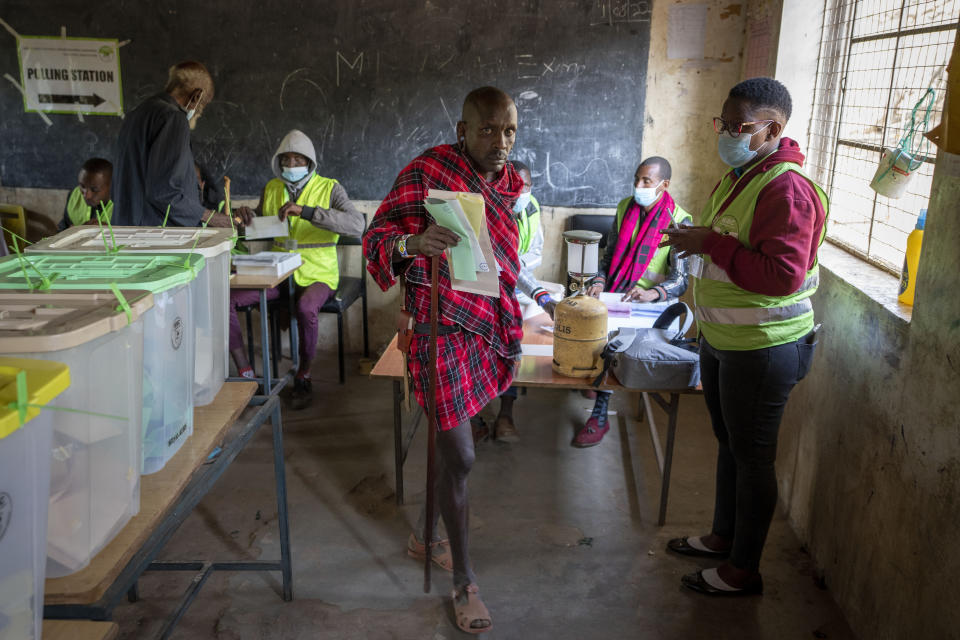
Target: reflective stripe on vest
{"x": 317, "y": 247}
{"x": 732, "y": 318}
{"x": 712, "y": 272}
{"x": 79, "y": 212}
{"x": 656, "y": 271}
{"x": 528, "y": 225}
{"x": 754, "y": 315}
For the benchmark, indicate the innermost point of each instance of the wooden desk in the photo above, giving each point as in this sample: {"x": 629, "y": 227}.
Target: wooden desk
{"x": 79, "y": 630}
{"x": 537, "y": 371}
{"x": 264, "y": 284}
{"x": 166, "y": 499}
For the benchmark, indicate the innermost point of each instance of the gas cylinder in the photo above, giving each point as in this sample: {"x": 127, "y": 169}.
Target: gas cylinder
{"x": 579, "y": 336}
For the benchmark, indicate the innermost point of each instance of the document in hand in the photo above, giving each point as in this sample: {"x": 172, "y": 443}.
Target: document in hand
{"x": 469, "y": 211}
{"x": 267, "y": 227}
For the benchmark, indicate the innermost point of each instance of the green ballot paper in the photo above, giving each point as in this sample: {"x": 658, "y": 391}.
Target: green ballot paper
{"x": 461, "y": 258}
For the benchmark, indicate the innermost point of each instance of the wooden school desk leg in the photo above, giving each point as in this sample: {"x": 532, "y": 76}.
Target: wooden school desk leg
{"x": 672, "y": 409}
{"x": 398, "y": 440}
{"x": 279, "y": 469}
{"x": 265, "y": 343}
{"x": 294, "y": 327}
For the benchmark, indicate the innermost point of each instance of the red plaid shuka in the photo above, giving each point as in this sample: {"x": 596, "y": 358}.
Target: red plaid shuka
{"x": 476, "y": 364}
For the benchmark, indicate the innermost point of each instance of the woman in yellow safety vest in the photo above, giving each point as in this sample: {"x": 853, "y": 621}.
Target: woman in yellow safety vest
{"x": 754, "y": 269}
{"x": 319, "y": 211}
{"x": 90, "y": 196}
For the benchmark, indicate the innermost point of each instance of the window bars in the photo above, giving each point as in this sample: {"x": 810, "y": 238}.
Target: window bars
{"x": 877, "y": 58}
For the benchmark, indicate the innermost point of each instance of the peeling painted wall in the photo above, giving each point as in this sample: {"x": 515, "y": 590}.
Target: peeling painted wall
{"x": 684, "y": 94}
{"x": 869, "y": 457}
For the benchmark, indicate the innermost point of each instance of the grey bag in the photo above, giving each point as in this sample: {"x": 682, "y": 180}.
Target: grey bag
{"x": 656, "y": 358}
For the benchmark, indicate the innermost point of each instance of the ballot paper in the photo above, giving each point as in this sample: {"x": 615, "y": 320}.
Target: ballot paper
{"x": 267, "y": 227}
{"x": 466, "y": 258}
{"x": 638, "y": 315}
{"x": 486, "y": 279}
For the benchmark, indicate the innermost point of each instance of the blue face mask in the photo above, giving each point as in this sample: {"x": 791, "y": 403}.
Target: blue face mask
{"x": 736, "y": 152}
{"x": 522, "y": 201}
{"x": 646, "y": 196}
{"x": 294, "y": 174}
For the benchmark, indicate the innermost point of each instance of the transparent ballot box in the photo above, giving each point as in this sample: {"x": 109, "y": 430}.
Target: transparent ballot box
{"x": 95, "y": 458}
{"x": 168, "y": 336}
{"x": 211, "y": 291}
{"x": 25, "y": 439}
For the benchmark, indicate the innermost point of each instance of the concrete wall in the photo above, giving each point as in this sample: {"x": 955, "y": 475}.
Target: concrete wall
{"x": 869, "y": 458}
{"x": 684, "y": 94}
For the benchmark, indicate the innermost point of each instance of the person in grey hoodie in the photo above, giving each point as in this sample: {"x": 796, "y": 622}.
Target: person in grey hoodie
{"x": 318, "y": 211}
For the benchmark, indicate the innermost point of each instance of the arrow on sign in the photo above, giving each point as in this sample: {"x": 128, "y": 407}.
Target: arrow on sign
{"x": 52, "y": 98}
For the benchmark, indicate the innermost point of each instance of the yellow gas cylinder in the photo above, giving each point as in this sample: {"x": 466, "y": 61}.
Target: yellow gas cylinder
{"x": 579, "y": 336}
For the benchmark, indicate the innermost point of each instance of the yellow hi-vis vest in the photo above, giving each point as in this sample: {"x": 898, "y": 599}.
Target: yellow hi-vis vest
{"x": 528, "y": 225}
{"x": 79, "y": 211}
{"x": 656, "y": 271}
{"x": 734, "y": 319}
{"x": 317, "y": 247}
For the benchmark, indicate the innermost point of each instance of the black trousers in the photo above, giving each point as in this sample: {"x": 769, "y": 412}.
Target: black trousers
{"x": 746, "y": 393}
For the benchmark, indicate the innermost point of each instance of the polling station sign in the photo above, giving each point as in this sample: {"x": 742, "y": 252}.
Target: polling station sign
{"x": 70, "y": 75}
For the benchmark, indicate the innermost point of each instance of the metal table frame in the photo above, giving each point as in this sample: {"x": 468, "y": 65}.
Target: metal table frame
{"x": 267, "y": 384}
{"x": 402, "y": 438}
{"x": 203, "y": 478}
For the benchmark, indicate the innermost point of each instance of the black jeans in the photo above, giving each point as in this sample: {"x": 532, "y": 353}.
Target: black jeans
{"x": 746, "y": 393}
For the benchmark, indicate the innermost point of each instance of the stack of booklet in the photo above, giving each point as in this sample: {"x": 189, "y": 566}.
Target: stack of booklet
{"x": 473, "y": 267}
{"x": 267, "y": 263}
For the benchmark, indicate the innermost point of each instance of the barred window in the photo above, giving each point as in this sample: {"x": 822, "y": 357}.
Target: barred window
{"x": 877, "y": 59}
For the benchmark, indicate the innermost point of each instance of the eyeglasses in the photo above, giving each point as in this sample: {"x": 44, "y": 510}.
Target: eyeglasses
{"x": 720, "y": 125}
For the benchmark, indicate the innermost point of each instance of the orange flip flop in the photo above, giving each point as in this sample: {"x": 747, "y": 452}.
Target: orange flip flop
{"x": 440, "y": 553}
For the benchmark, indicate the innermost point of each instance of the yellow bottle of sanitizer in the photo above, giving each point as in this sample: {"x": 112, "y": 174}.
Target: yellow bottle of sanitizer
{"x": 908, "y": 278}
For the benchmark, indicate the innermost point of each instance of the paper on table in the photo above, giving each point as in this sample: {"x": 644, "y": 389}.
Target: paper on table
{"x": 461, "y": 258}
{"x": 487, "y": 283}
{"x": 536, "y": 350}
{"x": 267, "y": 227}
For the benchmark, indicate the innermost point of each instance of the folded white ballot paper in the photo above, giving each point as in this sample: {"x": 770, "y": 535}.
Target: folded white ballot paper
{"x": 267, "y": 227}
{"x": 473, "y": 207}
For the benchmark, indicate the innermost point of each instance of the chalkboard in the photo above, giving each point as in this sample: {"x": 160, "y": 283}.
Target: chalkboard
{"x": 373, "y": 83}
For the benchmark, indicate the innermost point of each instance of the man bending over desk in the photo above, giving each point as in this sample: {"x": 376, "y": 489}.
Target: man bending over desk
{"x": 319, "y": 212}
{"x": 479, "y": 336}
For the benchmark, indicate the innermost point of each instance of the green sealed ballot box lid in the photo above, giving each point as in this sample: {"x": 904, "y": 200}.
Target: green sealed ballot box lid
{"x": 63, "y": 271}
{"x": 22, "y": 397}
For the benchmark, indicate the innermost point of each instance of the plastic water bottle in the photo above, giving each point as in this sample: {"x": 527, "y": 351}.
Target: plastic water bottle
{"x": 908, "y": 277}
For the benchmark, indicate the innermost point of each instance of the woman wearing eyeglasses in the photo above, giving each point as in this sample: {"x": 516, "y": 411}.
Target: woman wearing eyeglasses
{"x": 753, "y": 259}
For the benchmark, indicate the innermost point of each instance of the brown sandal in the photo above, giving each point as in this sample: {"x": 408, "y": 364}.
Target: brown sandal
{"x": 440, "y": 554}
{"x": 471, "y": 611}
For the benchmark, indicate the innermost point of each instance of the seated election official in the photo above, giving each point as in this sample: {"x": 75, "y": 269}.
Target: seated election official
{"x": 90, "y": 199}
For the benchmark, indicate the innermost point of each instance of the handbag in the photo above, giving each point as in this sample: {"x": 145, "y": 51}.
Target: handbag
{"x": 656, "y": 358}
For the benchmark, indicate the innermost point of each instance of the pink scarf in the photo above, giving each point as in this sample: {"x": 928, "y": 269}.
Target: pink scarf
{"x": 633, "y": 255}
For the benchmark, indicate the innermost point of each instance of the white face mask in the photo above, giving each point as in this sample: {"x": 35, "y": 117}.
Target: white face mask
{"x": 736, "y": 152}
{"x": 192, "y": 112}
{"x": 522, "y": 201}
{"x": 294, "y": 174}
{"x": 646, "y": 196}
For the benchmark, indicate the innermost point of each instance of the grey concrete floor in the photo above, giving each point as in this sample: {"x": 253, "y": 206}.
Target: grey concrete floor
{"x": 564, "y": 540}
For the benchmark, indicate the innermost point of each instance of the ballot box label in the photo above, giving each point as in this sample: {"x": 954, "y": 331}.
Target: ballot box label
{"x": 70, "y": 75}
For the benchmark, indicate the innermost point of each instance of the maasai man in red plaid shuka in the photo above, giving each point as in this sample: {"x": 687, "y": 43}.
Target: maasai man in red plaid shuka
{"x": 479, "y": 342}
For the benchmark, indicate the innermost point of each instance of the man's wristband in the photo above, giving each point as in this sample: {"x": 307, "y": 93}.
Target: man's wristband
{"x": 542, "y": 297}
{"x": 402, "y": 246}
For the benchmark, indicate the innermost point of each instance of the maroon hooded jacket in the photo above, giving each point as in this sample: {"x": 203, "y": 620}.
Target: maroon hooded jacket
{"x": 785, "y": 233}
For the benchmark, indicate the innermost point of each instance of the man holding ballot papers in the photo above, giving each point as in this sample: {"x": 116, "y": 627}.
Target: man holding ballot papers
{"x": 457, "y": 200}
